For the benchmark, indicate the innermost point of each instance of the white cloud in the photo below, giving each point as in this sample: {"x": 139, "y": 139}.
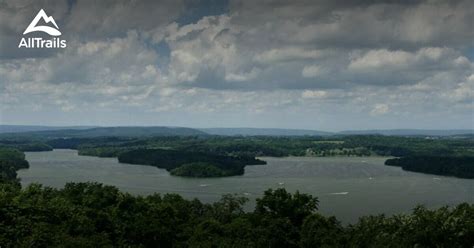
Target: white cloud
{"x": 380, "y": 109}
{"x": 244, "y": 76}
{"x": 312, "y": 71}
{"x": 287, "y": 54}
{"x": 314, "y": 94}
{"x": 463, "y": 92}
{"x": 271, "y": 59}
{"x": 381, "y": 58}
{"x": 112, "y": 18}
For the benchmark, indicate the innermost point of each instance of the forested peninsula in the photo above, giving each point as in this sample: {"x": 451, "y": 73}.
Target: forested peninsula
{"x": 204, "y": 155}
{"x": 462, "y": 167}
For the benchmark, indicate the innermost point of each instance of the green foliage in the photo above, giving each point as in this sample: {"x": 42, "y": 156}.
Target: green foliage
{"x": 26, "y": 145}
{"x": 34, "y": 147}
{"x": 11, "y": 154}
{"x": 443, "y": 227}
{"x": 249, "y": 147}
{"x": 279, "y": 203}
{"x": 77, "y": 143}
{"x": 103, "y": 152}
{"x": 11, "y": 160}
{"x": 191, "y": 164}
{"x": 462, "y": 167}
{"x": 93, "y": 215}
{"x": 236, "y": 152}
{"x": 319, "y": 231}
{"x": 198, "y": 169}
{"x": 366, "y": 145}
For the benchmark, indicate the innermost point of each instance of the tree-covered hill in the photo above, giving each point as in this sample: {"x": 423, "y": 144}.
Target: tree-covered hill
{"x": 191, "y": 164}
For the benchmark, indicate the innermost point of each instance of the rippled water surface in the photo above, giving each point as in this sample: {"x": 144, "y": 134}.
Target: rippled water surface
{"x": 347, "y": 187}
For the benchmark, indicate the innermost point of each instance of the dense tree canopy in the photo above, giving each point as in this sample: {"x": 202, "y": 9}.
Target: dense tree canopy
{"x": 94, "y": 215}
{"x": 186, "y": 163}
{"x": 462, "y": 166}
{"x": 223, "y": 152}
{"x": 11, "y": 160}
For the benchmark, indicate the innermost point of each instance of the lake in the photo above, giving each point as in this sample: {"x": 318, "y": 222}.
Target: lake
{"x": 347, "y": 187}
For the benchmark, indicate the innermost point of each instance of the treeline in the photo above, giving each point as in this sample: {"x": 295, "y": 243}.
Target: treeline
{"x": 255, "y": 146}
{"x": 462, "y": 166}
{"x": 420, "y": 151}
{"x": 11, "y": 160}
{"x": 93, "y": 215}
{"x": 185, "y": 163}
{"x": 25, "y": 144}
{"x": 103, "y": 152}
{"x": 76, "y": 143}
{"x": 355, "y": 145}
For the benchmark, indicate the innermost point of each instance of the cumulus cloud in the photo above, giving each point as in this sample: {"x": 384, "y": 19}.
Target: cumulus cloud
{"x": 314, "y": 94}
{"x": 287, "y": 54}
{"x": 383, "y": 58}
{"x": 312, "y": 71}
{"x": 103, "y": 19}
{"x": 380, "y": 109}
{"x": 259, "y": 59}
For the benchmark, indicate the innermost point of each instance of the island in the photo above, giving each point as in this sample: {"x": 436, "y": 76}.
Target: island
{"x": 194, "y": 154}
{"x": 95, "y": 215}
{"x": 190, "y": 164}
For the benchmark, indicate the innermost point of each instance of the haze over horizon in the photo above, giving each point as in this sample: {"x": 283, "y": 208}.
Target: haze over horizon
{"x": 318, "y": 65}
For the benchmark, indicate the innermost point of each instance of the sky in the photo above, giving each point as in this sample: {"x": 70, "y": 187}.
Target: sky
{"x": 323, "y": 65}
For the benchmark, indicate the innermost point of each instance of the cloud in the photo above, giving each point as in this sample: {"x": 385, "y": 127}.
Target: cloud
{"x": 254, "y": 63}
{"x": 356, "y": 24}
{"x": 314, "y": 94}
{"x": 83, "y": 20}
{"x": 382, "y": 66}
{"x": 111, "y": 18}
{"x": 244, "y": 76}
{"x": 380, "y": 109}
{"x": 463, "y": 92}
{"x": 287, "y": 54}
{"x": 312, "y": 71}
{"x": 383, "y": 58}
{"x": 116, "y": 61}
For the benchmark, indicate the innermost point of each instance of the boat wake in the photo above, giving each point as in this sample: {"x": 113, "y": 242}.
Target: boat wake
{"x": 339, "y": 193}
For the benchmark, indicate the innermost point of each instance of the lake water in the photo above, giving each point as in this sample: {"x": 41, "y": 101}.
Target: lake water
{"x": 347, "y": 187}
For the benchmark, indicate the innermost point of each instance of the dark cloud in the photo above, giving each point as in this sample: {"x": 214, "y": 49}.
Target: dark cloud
{"x": 365, "y": 59}
{"x": 111, "y": 18}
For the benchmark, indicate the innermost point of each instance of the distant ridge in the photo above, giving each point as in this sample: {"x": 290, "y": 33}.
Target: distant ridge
{"x": 264, "y": 131}
{"x": 131, "y": 131}
{"x": 410, "y": 132}
{"x": 29, "y": 128}
{"x": 112, "y": 131}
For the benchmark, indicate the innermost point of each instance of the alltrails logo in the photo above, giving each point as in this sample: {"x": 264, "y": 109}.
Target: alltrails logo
{"x": 38, "y": 42}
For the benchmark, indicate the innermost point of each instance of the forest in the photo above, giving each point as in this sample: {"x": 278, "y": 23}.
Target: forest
{"x": 96, "y": 215}
{"x": 11, "y": 160}
{"x": 190, "y": 164}
{"x": 235, "y": 148}
{"x": 462, "y": 166}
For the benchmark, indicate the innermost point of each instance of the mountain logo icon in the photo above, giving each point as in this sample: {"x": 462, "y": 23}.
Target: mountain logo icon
{"x": 47, "y": 29}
